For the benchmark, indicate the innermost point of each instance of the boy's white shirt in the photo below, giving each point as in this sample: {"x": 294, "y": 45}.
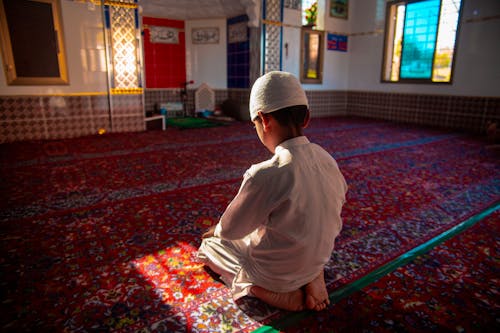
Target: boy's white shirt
{"x": 285, "y": 218}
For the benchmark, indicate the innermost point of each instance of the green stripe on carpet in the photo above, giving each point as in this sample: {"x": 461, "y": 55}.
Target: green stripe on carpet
{"x": 190, "y": 122}
{"x": 373, "y": 276}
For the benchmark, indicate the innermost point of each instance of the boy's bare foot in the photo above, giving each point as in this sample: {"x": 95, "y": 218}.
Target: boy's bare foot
{"x": 316, "y": 293}
{"x": 291, "y": 301}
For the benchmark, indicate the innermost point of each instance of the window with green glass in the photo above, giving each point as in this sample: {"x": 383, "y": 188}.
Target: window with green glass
{"x": 420, "y": 40}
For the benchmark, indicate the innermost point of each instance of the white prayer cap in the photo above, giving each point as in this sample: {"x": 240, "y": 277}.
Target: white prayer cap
{"x": 274, "y": 91}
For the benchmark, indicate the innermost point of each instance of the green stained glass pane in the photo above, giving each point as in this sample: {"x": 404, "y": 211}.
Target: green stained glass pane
{"x": 419, "y": 39}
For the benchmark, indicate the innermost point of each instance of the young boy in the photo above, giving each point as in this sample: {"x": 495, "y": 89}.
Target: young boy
{"x": 276, "y": 235}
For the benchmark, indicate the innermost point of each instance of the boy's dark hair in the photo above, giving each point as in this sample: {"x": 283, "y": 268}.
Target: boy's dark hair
{"x": 291, "y": 116}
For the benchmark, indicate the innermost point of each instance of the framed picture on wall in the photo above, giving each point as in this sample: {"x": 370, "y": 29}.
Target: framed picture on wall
{"x": 339, "y": 8}
{"x": 205, "y": 35}
{"x": 165, "y": 35}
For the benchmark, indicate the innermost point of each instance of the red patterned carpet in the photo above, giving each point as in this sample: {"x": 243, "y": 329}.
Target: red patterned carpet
{"x": 453, "y": 288}
{"x": 99, "y": 233}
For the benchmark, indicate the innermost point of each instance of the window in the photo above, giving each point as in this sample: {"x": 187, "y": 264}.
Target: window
{"x": 32, "y": 42}
{"x": 311, "y": 57}
{"x": 311, "y": 44}
{"x": 420, "y": 40}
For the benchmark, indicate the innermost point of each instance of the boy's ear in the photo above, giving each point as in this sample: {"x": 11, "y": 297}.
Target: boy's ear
{"x": 264, "y": 118}
{"x": 307, "y": 119}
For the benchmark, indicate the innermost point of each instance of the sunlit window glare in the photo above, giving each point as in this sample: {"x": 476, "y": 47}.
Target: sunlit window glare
{"x": 446, "y": 38}
{"x": 124, "y": 58}
{"x": 313, "y": 52}
{"x": 172, "y": 273}
{"x": 421, "y": 39}
{"x": 398, "y": 38}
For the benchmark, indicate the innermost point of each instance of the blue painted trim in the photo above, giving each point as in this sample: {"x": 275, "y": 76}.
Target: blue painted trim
{"x": 282, "y": 5}
{"x": 263, "y": 41}
{"x": 107, "y": 18}
{"x": 136, "y": 18}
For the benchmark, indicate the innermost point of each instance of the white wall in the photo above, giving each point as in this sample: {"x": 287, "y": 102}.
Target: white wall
{"x": 335, "y": 65}
{"x": 477, "y": 69}
{"x": 476, "y": 73}
{"x": 291, "y": 36}
{"x": 207, "y": 63}
{"x": 477, "y": 66}
{"x": 85, "y": 56}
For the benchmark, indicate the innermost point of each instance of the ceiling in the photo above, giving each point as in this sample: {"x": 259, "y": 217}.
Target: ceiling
{"x": 194, "y": 9}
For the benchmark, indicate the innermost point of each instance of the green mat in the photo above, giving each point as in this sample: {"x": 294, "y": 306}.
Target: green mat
{"x": 190, "y": 122}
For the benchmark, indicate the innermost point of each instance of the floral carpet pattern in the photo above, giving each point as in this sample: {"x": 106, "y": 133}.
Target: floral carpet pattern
{"x": 100, "y": 233}
{"x": 453, "y": 288}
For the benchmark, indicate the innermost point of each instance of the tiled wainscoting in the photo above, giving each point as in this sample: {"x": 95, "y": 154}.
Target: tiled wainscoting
{"x": 52, "y": 117}
{"x": 455, "y": 112}
{"x": 469, "y": 114}
{"x": 154, "y": 97}
{"x": 327, "y": 103}
{"x": 127, "y": 113}
{"x": 56, "y": 117}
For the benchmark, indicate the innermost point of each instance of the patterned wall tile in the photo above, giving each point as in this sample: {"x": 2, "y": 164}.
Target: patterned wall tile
{"x": 439, "y": 104}
{"x": 242, "y": 96}
{"x": 432, "y": 110}
{"x": 465, "y": 122}
{"x": 124, "y": 45}
{"x": 128, "y": 124}
{"x": 403, "y": 101}
{"x": 492, "y": 110}
{"x": 326, "y": 103}
{"x": 20, "y": 107}
{"x": 99, "y": 105}
{"x": 54, "y": 117}
{"x": 467, "y": 105}
{"x": 127, "y": 104}
{"x": 100, "y": 122}
{"x": 19, "y": 130}
{"x": 67, "y": 106}
{"x": 431, "y": 118}
{"x": 59, "y": 128}
{"x": 190, "y": 102}
{"x": 456, "y": 112}
{"x": 272, "y": 47}
{"x": 220, "y": 96}
{"x": 273, "y": 10}
{"x": 293, "y": 4}
{"x": 35, "y": 117}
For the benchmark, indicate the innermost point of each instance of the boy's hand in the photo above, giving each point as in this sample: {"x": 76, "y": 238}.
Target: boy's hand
{"x": 209, "y": 232}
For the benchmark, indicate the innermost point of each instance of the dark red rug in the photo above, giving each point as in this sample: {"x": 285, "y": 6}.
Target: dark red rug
{"x": 452, "y": 288}
{"x": 99, "y": 233}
